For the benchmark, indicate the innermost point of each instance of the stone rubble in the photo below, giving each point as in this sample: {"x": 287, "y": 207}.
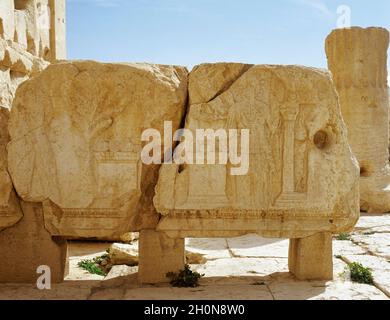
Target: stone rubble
{"x": 123, "y": 254}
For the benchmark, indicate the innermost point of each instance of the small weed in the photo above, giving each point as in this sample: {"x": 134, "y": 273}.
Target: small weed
{"x": 185, "y": 278}
{"x": 360, "y": 274}
{"x": 99, "y": 265}
{"x": 92, "y": 267}
{"x": 344, "y": 237}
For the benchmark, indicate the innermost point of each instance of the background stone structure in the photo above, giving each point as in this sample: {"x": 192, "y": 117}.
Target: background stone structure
{"x": 357, "y": 58}
{"x": 32, "y": 34}
{"x": 37, "y": 26}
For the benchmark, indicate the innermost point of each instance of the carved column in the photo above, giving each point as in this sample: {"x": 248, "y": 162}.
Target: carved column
{"x": 358, "y": 60}
{"x": 289, "y": 194}
{"x": 58, "y": 29}
{"x": 289, "y": 117}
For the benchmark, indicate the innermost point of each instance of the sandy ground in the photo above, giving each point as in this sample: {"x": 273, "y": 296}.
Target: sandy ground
{"x": 247, "y": 268}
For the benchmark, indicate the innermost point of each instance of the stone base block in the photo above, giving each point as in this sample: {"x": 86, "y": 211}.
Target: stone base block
{"x": 158, "y": 255}
{"x": 311, "y": 258}
{"x": 27, "y": 246}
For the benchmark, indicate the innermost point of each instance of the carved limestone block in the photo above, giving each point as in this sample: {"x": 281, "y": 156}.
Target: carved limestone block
{"x": 76, "y": 143}
{"x": 302, "y": 178}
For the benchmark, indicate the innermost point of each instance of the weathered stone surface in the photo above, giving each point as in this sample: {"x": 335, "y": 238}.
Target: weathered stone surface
{"x": 24, "y": 244}
{"x": 10, "y": 211}
{"x": 207, "y": 81}
{"x": 370, "y": 222}
{"x": 302, "y": 179}
{"x": 281, "y": 287}
{"x": 30, "y": 33}
{"x": 58, "y": 29}
{"x": 7, "y": 21}
{"x": 87, "y": 118}
{"x": 211, "y": 249}
{"x": 120, "y": 271}
{"x": 195, "y": 258}
{"x": 16, "y": 66}
{"x": 27, "y": 246}
{"x": 298, "y": 290}
{"x": 243, "y": 292}
{"x": 311, "y": 258}
{"x": 379, "y": 267}
{"x": 66, "y": 291}
{"x": 37, "y": 26}
{"x": 243, "y": 267}
{"x": 254, "y": 246}
{"x": 127, "y": 254}
{"x": 347, "y": 247}
{"x": 159, "y": 255}
{"x": 378, "y": 243}
{"x": 129, "y": 237}
{"x": 123, "y": 254}
{"x": 358, "y": 60}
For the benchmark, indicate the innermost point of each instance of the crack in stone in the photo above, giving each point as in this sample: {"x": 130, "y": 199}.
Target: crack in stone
{"x": 226, "y": 88}
{"x": 231, "y": 253}
{"x": 270, "y": 292}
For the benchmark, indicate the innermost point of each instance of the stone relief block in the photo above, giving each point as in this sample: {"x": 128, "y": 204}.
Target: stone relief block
{"x": 302, "y": 177}
{"x": 76, "y": 143}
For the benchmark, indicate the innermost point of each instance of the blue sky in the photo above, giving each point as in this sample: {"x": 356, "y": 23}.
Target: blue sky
{"x": 189, "y": 32}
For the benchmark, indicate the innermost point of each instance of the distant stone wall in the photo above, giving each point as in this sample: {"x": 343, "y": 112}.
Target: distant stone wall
{"x": 16, "y": 66}
{"x": 38, "y": 26}
{"x": 32, "y": 34}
